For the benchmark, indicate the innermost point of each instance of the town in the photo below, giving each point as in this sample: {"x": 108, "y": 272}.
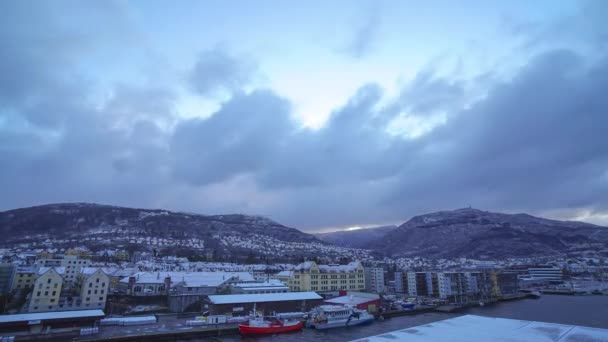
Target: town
{"x": 77, "y": 292}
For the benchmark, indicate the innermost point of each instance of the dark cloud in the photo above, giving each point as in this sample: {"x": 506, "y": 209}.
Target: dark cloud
{"x": 242, "y": 137}
{"x": 217, "y": 71}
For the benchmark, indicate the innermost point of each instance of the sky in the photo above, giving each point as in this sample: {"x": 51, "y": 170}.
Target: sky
{"x": 320, "y": 115}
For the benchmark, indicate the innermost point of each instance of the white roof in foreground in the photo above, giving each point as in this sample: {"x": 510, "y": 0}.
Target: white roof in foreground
{"x": 50, "y": 315}
{"x": 264, "y": 297}
{"x": 477, "y": 328}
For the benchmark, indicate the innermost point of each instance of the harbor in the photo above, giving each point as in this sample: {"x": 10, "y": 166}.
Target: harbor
{"x": 172, "y": 327}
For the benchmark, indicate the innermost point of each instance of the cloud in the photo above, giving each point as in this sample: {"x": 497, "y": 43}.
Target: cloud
{"x": 534, "y": 142}
{"x": 365, "y": 36}
{"x": 216, "y": 71}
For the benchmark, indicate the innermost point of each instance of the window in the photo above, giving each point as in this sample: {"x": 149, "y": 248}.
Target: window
{"x": 97, "y": 280}
{"x": 48, "y": 281}
{"x": 90, "y": 284}
{"x": 38, "y": 294}
{"x": 52, "y": 300}
{"x": 103, "y": 284}
{"x": 95, "y": 291}
{"x": 88, "y": 299}
{"x": 89, "y": 292}
{"x": 101, "y": 299}
{"x": 55, "y": 285}
{"x": 54, "y": 293}
{"x": 46, "y": 293}
{"x": 101, "y": 291}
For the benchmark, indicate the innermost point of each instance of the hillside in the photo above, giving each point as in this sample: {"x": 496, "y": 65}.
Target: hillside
{"x": 481, "y": 234}
{"x": 359, "y": 238}
{"x": 102, "y": 226}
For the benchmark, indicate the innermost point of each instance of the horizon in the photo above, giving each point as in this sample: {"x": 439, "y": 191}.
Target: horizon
{"x": 326, "y": 230}
{"x": 318, "y": 115}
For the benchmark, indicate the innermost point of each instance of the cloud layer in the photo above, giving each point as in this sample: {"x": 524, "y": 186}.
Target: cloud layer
{"x": 536, "y": 141}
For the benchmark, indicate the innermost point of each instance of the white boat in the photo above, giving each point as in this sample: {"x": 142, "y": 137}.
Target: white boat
{"x": 334, "y": 316}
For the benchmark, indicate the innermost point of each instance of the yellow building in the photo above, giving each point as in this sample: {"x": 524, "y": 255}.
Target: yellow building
{"x": 47, "y": 289}
{"x": 24, "y": 278}
{"x": 309, "y": 276}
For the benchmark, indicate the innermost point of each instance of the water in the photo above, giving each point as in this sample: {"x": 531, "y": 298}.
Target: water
{"x": 579, "y": 310}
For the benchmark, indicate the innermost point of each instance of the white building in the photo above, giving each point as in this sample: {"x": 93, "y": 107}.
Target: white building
{"x": 544, "y": 274}
{"x": 199, "y": 283}
{"x": 270, "y": 286}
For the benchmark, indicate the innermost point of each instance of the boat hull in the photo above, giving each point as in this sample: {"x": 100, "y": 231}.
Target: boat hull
{"x": 340, "y": 324}
{"x": 251, "y": 330}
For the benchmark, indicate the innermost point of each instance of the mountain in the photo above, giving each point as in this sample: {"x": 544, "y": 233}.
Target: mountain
{"x": 481, "y": 234}
{"x": 103, "y": 226}
{"x": 359, "y": 238}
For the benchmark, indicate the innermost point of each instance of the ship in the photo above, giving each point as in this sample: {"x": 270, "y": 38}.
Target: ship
{"x": 258, "y": 325}
{"x": 333, "y": 316}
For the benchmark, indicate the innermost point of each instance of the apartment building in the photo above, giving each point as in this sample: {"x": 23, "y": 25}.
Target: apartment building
{"x": 93, "y": 284}
{"x": 374, "y": 279}
{"x": 46, "y": 290}
{"x": 71, "y": 263}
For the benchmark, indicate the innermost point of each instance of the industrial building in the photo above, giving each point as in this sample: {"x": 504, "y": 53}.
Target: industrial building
{"x": 242, "y": 304}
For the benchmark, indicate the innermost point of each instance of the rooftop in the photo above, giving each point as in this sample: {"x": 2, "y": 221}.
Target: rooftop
{"x": 262, "y": 298}
{"x": 349, "y": 300}
{"x": 189, "y": 279}
{"x": 477, "y": 328}
{"x": 50, "y": 315}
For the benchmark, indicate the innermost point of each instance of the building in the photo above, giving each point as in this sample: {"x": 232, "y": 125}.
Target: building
{"x": 38, "y": 322}
{"x": 186, "y": 283}
{"x": 24, "y": 278}
{"x": 71, "y": 263}
{"x": 507, "y": 283}
{"x": 544, "y": 274}
{"x": 308, "y": 276}
{"x": 242, "y": 304}
{"x": 270, "y": 286}
{"x": 360, "y": 300}
{"x": 374, "y": 279}
{"x": 47, "y": 289}
{"x": 93, "y": 284}
{"x": 7, "y": 273}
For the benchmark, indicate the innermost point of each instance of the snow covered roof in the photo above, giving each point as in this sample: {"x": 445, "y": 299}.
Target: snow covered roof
{"x": 50, "y": 315}
{"x": 352, "y": 266}
{"x": 91, "y": 270}
{"x": 477, "y": 328}
{"x": 190, "y": 279}
{"x": 284, "y": 274}
{"x": 262, "y": 298}
{"x": 272, "y": 283}
{"x": 349, "y": 300}
{"x": 43, "y": 270}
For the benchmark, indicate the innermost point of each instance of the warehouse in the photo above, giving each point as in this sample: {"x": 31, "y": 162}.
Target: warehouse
{"x": 36, "y": 322}
{"x": 242, "y": 304}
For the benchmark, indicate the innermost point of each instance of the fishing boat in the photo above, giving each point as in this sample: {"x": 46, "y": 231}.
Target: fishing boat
{"x": 258, "y": 325}
{"x": 333, "y": 316}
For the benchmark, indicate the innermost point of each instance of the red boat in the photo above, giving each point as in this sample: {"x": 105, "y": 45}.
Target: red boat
{"x": 258, "y": 326}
